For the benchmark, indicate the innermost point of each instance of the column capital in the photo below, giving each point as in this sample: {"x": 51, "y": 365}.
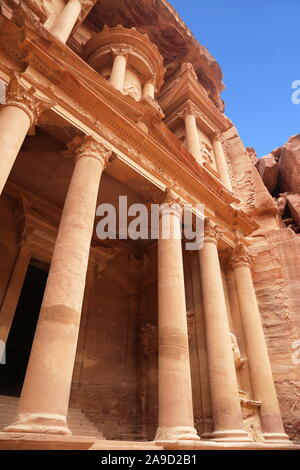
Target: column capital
{"x": 152, "y": 80}
{"x": 240, "y": 256}
{"x": 121, "y": 50}
{"x": 188, "y": 108}
{"x": 217, "y": 135}
{"x": 85, "y": 5}
{"x": 88, "y": 147}
{"x": 169, "y": 201}
{"x": 212, "y": 231}
{"x": 21, "y": 97}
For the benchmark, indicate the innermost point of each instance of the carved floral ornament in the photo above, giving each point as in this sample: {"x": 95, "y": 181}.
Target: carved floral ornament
{"x": 85, "y": 6}
{"x": 240, "y": 256}
{"x": 169, "y": 201}
{"x": 21, "y": 97}
{"x": 188, "y": 108}
{"x": 212, "y": 232}
{"x": 88, "y": 147}
{"x": 122, "y": 50}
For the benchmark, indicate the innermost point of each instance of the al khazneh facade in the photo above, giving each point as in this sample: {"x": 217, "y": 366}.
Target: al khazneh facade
{"x": 121, "y": 340}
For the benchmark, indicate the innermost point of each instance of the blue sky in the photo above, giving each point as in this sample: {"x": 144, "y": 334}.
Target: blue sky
{"x": 257, "y": 45}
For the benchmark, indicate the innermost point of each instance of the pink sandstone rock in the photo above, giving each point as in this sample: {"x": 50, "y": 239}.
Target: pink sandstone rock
{"x": 289, "y": 166}
{"x": 268, "y": 169}
{"x": 293, "y": 201}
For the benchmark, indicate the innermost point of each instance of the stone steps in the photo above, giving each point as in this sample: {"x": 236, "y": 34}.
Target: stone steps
{"x": 78, "y": 423}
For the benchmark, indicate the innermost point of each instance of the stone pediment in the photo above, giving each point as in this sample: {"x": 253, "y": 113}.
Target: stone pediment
{"x": 187, "y": 88}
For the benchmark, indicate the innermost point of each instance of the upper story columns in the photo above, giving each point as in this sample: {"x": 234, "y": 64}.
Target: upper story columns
{"x": 128, "y": 59}
{"x": 189, "y": 114}
{"x": 221, "y": 160}
{"x": 118, "y": 70}
{"x": 67, "y": 19}
{"x": 18, "y": 115}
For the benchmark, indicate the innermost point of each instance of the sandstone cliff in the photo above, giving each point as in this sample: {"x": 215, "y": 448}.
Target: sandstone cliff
{"x": 270, "y": 193}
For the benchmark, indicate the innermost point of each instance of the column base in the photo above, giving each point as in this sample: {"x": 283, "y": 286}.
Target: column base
{"x": 276, "y": 437}
{"x": 41, "y": 423}
{"x": 235, "y": 435}
{"x": 176, "y": 433}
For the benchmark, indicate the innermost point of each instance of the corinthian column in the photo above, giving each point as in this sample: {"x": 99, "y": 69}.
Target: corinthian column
{"x": 221, "y": 161}
{"x": 65, "y": 22}
{"x": 259, "y": 364}
{"x": 18, "y": 114}
{"x": 149, "y": 88}
{"x": 226, "y": 409}
{"x": 189, "y": 114}
{"x": 44, "y": 400}
{"x": 117, "y": 76}
{"x": 175, "y": 414}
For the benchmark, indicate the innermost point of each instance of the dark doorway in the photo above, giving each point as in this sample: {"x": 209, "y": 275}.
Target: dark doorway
{"x": 22, "y": 330}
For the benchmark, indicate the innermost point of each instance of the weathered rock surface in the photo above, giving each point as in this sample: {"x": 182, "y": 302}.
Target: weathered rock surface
{"x": 268, "y": 169}
{"x": 289, "y": 166}
{"x": 276, "y": 266}
{"x": 293, "y": 202}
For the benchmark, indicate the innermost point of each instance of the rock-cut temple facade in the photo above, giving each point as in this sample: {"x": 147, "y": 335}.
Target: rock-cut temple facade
{"x": 123, "y": 343}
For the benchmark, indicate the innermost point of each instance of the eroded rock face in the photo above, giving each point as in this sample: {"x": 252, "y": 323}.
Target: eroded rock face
{"x": 293, "y": 202}
{"x": 289, "y": 166}
{"x": 280, "y": 172}
{"x": 268, "y": 169}
{"x": 275, "y": 246}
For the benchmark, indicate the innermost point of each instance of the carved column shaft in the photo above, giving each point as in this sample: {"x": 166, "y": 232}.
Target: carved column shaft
{"x": 44, "y": 400}
{"x": 20, "y": 112}
{"x": 118, "y": 71}
{"x": 225, "y": 401}
{"x": 191, "y": 131}
{"x": 221, "y": 162}
{"x": 176, "y": 420}
{"x": 257, "y": 354}
{"x": 65, "y": 22}
{"x": 149, "y": 90}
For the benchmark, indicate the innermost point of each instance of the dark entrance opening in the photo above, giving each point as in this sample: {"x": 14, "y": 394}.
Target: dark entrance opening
{"x": 22, "y": 330}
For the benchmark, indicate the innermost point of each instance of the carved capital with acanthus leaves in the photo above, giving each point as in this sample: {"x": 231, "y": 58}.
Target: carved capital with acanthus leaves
{"x": 88, "y": 147}
{"x": 85, "y": 7}
{"x": 212, "y": 232}
{"x": 169, "y": 201}
{"x": 217, "y": 136}
{"x": 240, "y": 256}
{"x": 188, "y": 109}
{"x": 21, "y": 97}
{"x": 121, "y": 50}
